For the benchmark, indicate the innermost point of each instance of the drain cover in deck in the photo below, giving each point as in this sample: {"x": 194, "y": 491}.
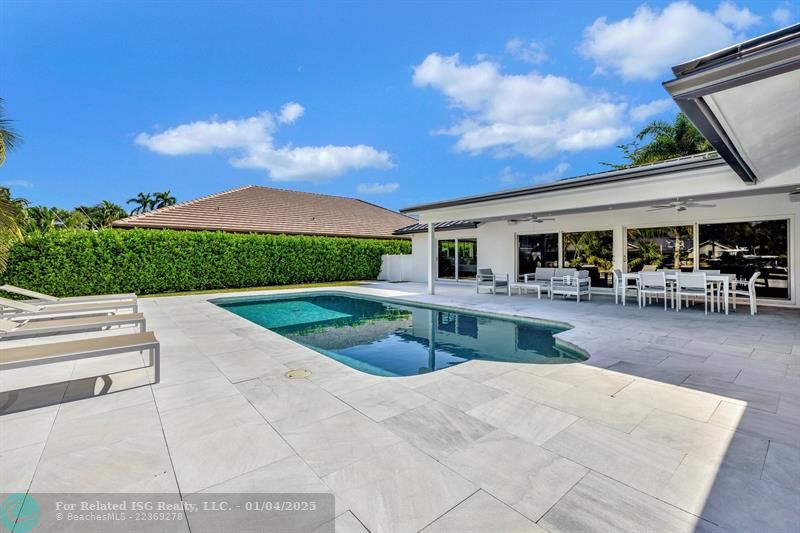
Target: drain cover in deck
{"x": 299, "y": 373}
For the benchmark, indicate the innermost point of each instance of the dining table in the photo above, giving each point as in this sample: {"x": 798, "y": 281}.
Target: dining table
{"x": 720, "y": 279}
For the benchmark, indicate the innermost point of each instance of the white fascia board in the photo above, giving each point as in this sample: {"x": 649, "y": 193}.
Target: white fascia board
{"x": 697, "y": 184}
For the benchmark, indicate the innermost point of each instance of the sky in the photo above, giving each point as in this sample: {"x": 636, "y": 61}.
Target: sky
{"x": 394, "y": 103}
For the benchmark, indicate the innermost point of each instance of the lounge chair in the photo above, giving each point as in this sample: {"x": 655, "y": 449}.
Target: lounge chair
{"x": 42, "y": 298}
{"x": 40, "y": 354}
{"x": 20, "y": 309}
{"x": 10, "y": 329}
{"x": 487, "y": 278}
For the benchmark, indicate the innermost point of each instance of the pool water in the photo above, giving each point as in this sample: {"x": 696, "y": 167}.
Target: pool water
{"x": 386, "y": 338}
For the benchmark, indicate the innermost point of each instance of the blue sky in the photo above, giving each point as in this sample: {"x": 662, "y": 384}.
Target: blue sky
{"x": 395, "y": 104}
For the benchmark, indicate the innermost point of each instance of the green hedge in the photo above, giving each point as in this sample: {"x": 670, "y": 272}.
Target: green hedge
{"x": 76, "y": 263}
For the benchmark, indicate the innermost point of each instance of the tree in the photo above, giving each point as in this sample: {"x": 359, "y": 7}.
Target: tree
{"x": 144, "y": 202}
{"x": 102, "y": 214}
{"x": 664, "y": 141}
{"x": 109, "y": 212}
{"x": 42, "y": 219}
{"x": 9, "y": 138}
{"x": 12, "y": 220}
{"x": 163, "y": 199}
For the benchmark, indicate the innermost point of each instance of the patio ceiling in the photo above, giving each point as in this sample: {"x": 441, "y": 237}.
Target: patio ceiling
{"x": 745, "y": 101}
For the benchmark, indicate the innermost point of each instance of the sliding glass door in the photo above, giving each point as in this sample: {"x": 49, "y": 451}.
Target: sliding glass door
{"x": 447, "y": 260}
{"x": 467, "y": 258}
{"x": 534, "y": 251}
{"x": 457, "y": 258}
{"x": 743, "y": 248}
{"x": 592, "y": 251}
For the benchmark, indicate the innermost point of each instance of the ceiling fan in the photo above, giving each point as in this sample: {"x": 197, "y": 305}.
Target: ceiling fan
{"x": 679, "y": 205}
{"x": 531, "y": 218}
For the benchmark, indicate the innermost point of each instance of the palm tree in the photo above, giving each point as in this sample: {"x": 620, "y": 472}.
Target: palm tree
{"x": 102, "y": 214}
{"x": 108, "y": 212}
{"x": 9, "y": 138}
{"x": 163, "y": 199}
{"x": 666, "y": 141}
{"x": 12, "y": 219}
{"x": 42, "y": 219}
{"x": 144, "y": 201}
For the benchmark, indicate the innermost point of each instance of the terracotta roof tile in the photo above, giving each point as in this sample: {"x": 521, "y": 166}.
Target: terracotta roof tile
{"x": 255, "y": 209}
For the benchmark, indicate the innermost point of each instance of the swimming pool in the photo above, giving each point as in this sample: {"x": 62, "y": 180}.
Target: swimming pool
{"x": 387, "y": 338}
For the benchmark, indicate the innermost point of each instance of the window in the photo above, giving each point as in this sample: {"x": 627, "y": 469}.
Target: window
{"x": 670, "y": 247}
{"x": 743, "y": 248}
{"x": 537, "y": 251}
{"x": 592, "y": 251}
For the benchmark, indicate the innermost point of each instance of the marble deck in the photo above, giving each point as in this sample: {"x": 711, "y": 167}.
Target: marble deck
{"x": 677, "y": 422}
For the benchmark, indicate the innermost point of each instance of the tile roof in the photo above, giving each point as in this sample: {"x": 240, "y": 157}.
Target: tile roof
{"x": 255, "y": 209}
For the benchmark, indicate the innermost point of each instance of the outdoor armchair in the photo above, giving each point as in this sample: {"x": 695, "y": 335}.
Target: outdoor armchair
{"x": 487, "y": 278}
{"x": 575, "y": 284}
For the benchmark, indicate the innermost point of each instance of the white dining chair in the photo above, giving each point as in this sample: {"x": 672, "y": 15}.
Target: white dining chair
{"x": 691, "y": 285}
{"x": 621, "y": 287}
{"x": 746, "y": 288}
{"x": 652, "y": 284}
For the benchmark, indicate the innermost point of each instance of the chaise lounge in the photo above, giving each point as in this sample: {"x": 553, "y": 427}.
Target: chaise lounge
{"x": 11, "y": 329}
{"x": 40, "y": 354}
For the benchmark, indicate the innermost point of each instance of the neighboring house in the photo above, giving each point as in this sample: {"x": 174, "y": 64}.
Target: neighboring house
{"x": 746, "y": 101}
{"x": 255, "y": 209}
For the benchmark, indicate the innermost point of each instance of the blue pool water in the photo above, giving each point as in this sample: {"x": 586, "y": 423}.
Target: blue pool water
{"x": 385, "y": 338}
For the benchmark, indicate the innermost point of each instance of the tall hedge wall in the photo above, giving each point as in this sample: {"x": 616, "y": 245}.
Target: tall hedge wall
{"x": 75, "y": 263}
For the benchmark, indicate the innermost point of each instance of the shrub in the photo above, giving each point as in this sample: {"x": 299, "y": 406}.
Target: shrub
{"x": 76, "y": 263}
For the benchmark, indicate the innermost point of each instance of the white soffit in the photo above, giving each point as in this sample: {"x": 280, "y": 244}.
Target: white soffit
{"x": 762, "y": 120}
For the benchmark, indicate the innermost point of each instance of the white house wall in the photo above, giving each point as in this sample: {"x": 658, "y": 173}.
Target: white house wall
{"x": 496, "y": 241}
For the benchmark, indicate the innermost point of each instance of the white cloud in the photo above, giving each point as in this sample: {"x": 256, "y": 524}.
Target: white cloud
{"x": 554, "y": 173}
{"x": 740, "y": 19}
{"x": 531, "y": 52}
{"x": 640, "y": 113}
{"x": 23, "y": 184}
{"x": 252, "y": 139}
{"x": 377, "y": 188}
{"x": 532, "y": 115}
{"x": 782, "y": 16}
{"x": 508, "y": 176}
{"x": 647, "y": 44}
{"x": 291, "y": 112}
{"x": 312, "y": 162}
{"x": 204, "y": 137}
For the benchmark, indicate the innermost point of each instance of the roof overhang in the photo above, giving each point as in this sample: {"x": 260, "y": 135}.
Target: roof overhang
{"x": 746, "y": 101}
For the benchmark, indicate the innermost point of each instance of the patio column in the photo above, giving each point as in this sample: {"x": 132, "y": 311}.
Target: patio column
{"x": 431, "y": 259}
